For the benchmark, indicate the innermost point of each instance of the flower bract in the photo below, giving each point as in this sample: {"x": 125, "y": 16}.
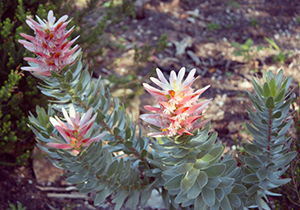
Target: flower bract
{"x": 178, "y": 112}
{"x": 76, "y": 129}
{"x": 50, "y": 44}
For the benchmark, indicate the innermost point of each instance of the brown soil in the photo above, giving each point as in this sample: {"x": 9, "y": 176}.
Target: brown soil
{"x": 212, "y": 26}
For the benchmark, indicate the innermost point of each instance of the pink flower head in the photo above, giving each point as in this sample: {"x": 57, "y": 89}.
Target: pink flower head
{"x": 76, "y": 129}
{"x": 50, "y": 44}
{"x": 178, "y": 110}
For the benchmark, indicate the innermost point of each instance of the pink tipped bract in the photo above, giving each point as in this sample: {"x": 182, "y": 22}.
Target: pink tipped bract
{"x": 50, "y": 44}
{"x": 178, "y": 110}
{"x": 76, "y": 129}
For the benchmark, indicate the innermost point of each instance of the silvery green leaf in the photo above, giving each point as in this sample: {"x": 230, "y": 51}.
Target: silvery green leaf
{"x": 225, "y": 182}
{"x": 68, "y": 76}
{"x": 266, "y": 88}
{"x": 145, "y": 195}
{"x": 209, "y": 196}
{"x": 188, "y": 203}
{"x": 253, "y": 189}
{"x": 225, "y": 204}
{"x": 184, "y": 168}
{"x": 276, "y": 115}
{"x": 213, "y": 183}
{"x": 119, "y": 198}
{"x": 78, "y": 87}
{"x": 285, "y": 159}
{"x": 261, "y": 203}
{"x": 252, "y": 149}
{"x": 215, "y": 170}
{"x": 279, "y": 77}
{"x": 219, "y": 194}
{"x": 270, "y": 104}
{"x": 279, "y": 96}
{"x": 76, "y": 179}
{"x": 227, "y": 190}
{"x": 189, "y": 179}
{"x": 55, "y": 74}
{"x": 181, "y": 197}
{"x": 202, "y": 179}
{"x": 112, "y": 168}
{"x": 262, "y": 173}
{"x": 133, "y": 199}
{"x": 213, "y": 155}
{"x": 101, "y": 196}
{"x": 272, "y": 86}
{"x": 209, "y": 142}
{"x": 251, "y": 178}
{"x": 200, "y": 164}
{"x": 238, "y": 188}
{"x": 267, "y": 192}
{"x": 277, "y": 183}
{"x": 286, "y": 104}
{"x": 144, "y": 153}
{"x": 254, "y": 163}
{"x": 180, "y": 154}
{"x": 234, "y": 200}
{"x": 194, "y": 191}
{"x": 200, "y": 204}
{"x": 216, "y": 206}
{"x": 174, "y": 183}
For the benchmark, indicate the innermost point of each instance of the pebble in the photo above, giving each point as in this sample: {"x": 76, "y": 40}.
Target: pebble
{"x": 277, "y": 25}
{"x": 150, "y": 18}
{"x": 276, "y": 36}
{"x": 30, "y": 181}
{"x": 190, "y": 19}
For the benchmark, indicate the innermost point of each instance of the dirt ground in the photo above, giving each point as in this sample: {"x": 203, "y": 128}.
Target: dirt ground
{"x": 207, "y": 28}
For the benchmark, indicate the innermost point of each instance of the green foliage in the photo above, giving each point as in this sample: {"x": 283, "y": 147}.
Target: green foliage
{"x": 19, "y": 206}
{"x": 13, "y": 123}
{"x": 268, "y": 156}
{"x": 298, "y": 19}
{"x": 247, "y": 50}
{"x": 143, "y": 53}
{"x": 213, "y": 26}
{"x": 281, "y": 56}
{"x": 234, "y": 4}
{"x": 254, "y": 22}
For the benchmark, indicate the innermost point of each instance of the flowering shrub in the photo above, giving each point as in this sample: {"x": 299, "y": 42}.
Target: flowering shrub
{"x": 104, "y": 154}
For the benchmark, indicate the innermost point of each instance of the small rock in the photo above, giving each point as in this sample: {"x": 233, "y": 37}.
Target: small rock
{"x": 30, "y": 181}
{"x": 190, "y": 19}
{"x": 245, "y": 85}
{"x": 44, "y": 170}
